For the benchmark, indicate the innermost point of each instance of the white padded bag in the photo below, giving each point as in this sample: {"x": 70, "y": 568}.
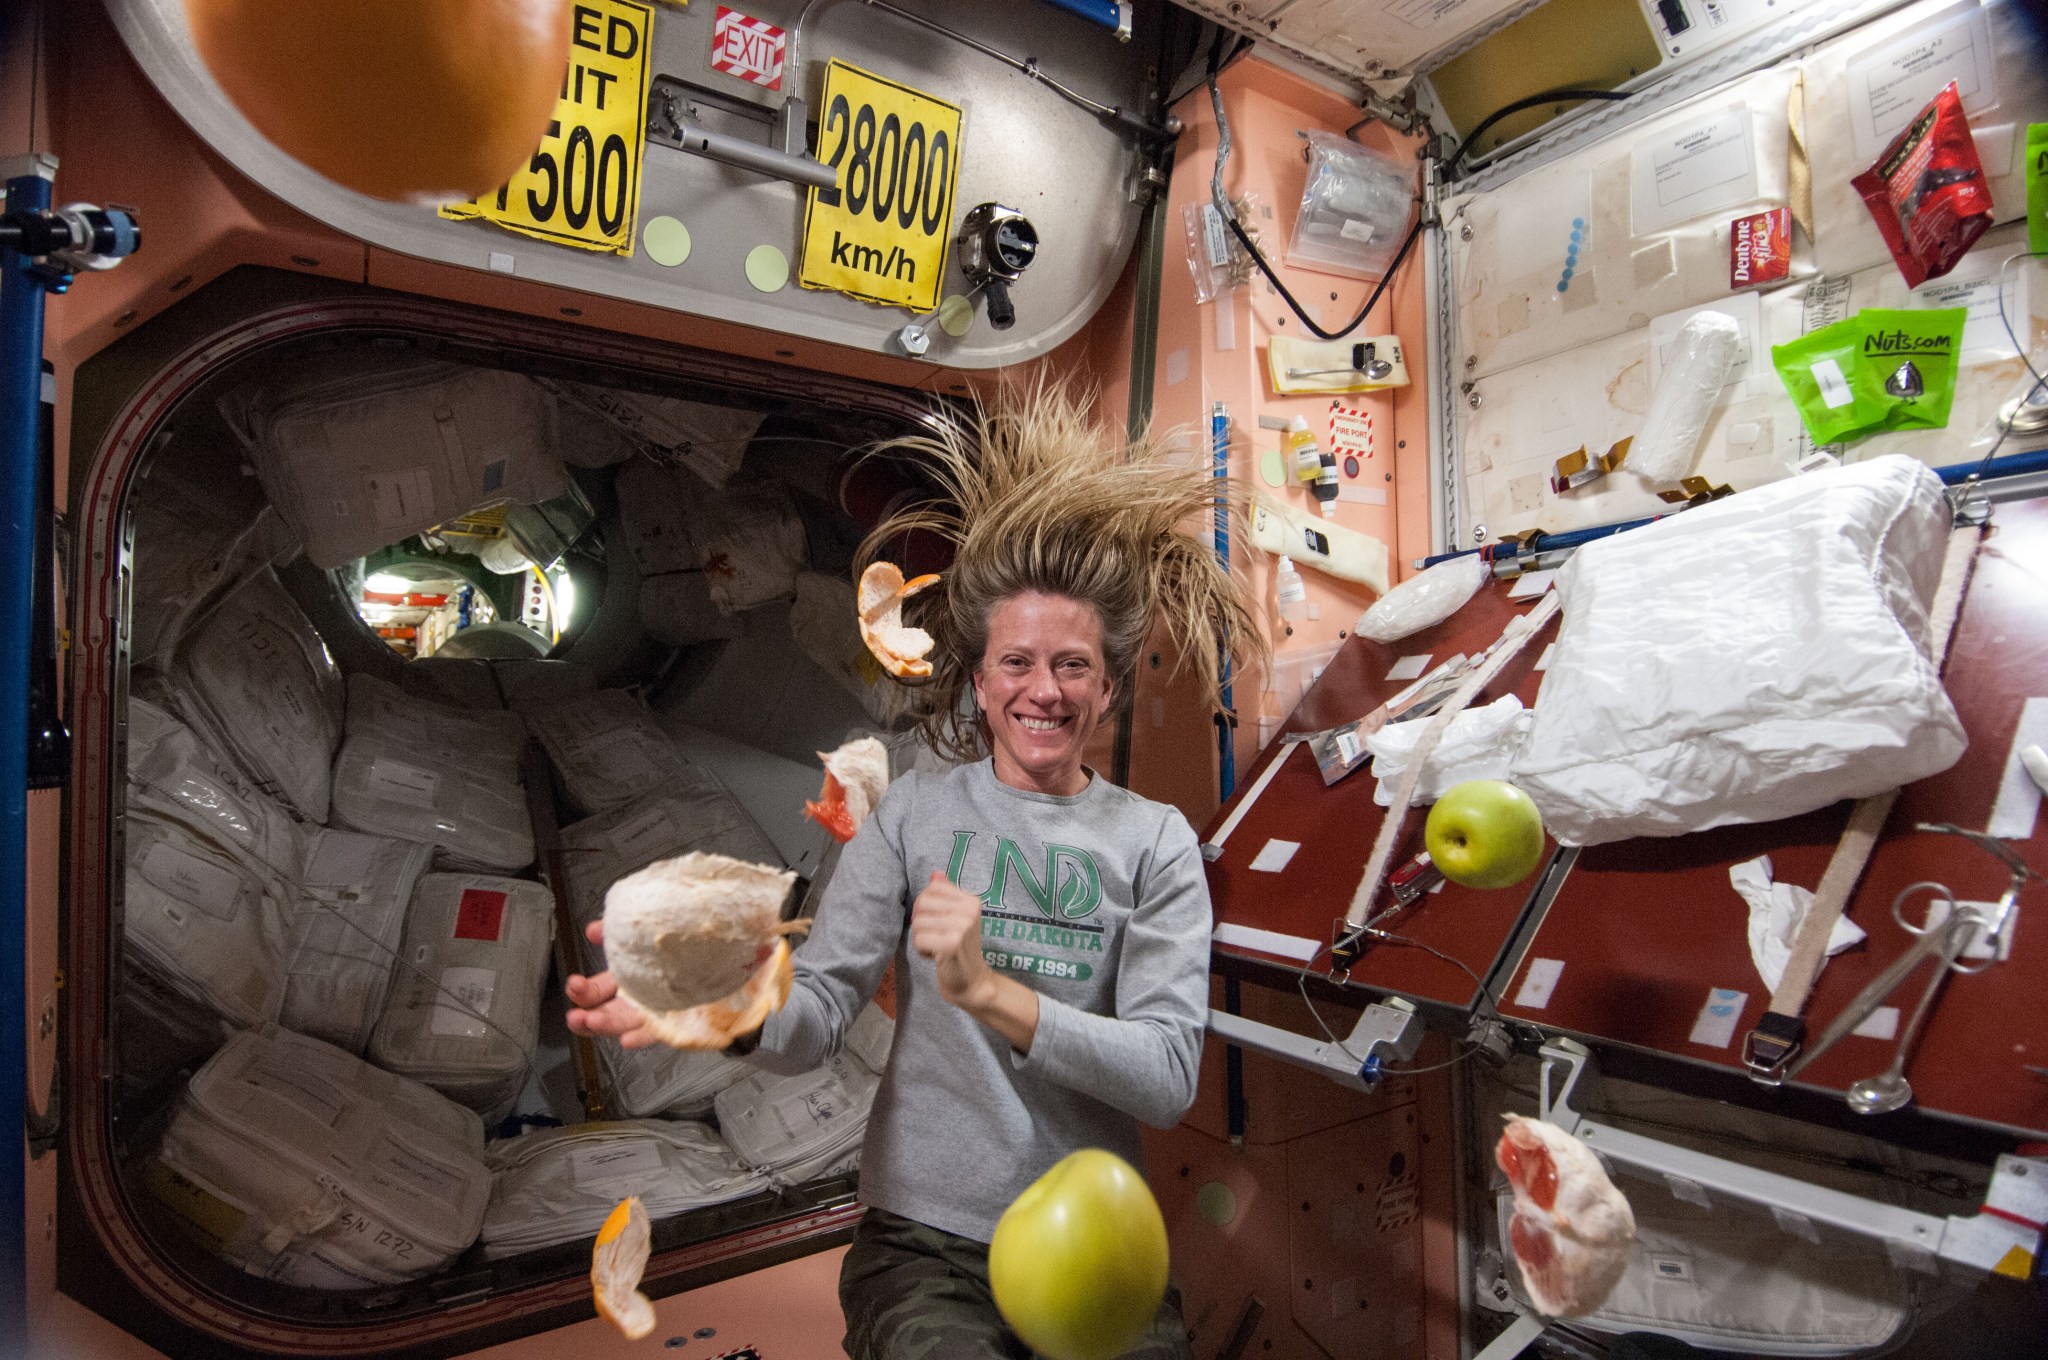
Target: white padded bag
{"x": 1753, "y": 659}
{"x": 342, "y": 1176}
{"x": 463, "y": 1012}
{"x": 556, "y": 1185}
{"x": 710, "y": 440}
{"x": 206, "y": 922}
{"x": 185, "y": 552}
{"x": 172, "y": 771}
{"x": 754, "y": 546}
{"x": 474, "y": 811}
{"x": 799, "y": 1128}
{"x": 825, "y": 622}
{"x": 255, "y": 680}
{"x": 657, "y": 510}
{"x": 597, "y": 853}
{"x": 608, "y": 748}
{"x": 359, "y": 459}
{"x": 440, "y": 734}
{"x": 345, "y": 933}
{"x": 1732, "y": 1279}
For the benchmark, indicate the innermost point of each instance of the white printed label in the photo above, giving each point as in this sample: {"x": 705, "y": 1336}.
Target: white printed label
{"x": 415, "y": 1170}
{"x": 340, "y": 858}
{"x": 1715, "y": 1026}
{"x": 1704, "y": 168}
{"x": 402, "y": 783}
{"x": 1834, "y": 388}
{"x": 1882, "y": 1023}
{"x": 1408, "y": 667}
{"x": 1215, "y": 239}
{"x": 1349, "y": 746}
{"x": 1675, "y": 1268}
{"x": 192, "y": 880}
{"x": 1538, "y": 983}
{"x": 1355, "y": 229}
{"x": 604, "y": 1163}
{"x": 463, "y": 1001}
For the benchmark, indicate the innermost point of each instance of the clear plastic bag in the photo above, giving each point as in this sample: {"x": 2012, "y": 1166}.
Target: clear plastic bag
{"x": 1423, "y": 601}
{"x": 1215, "y": 257}
{"x": 1354, "y": 208}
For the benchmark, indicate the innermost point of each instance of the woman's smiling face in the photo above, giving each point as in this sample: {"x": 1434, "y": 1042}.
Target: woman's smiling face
{"x": 1043, "y": 687}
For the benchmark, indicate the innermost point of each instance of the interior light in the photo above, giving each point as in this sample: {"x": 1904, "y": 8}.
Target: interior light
{"x": 384, "y": 583}
{"x": 565, "y": 599}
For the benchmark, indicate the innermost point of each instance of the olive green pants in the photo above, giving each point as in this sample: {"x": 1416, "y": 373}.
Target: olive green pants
{"x": 916, "y": 1293}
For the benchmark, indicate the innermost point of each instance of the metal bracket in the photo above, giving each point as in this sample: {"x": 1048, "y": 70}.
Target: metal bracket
{"x": 2000, "y": 1238}
{"x": 1387, "y": 1031}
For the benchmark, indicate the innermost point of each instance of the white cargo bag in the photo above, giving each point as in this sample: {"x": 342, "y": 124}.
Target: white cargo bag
{"x": 799, "y": 1128}
{"x": 677, "y": 608}
{"x": 184, "y": 554}
{"x": 825, "y": 623}
{"x": 338, "y": 1176}
{"x": 255, "y": 680}
{"x": 358, "y": 460}
{"x": 206, "y": 922}
{"x": 597, "y": 852}
{"x": 528, "y": 683}
{"x": 556, "y": 1185}
{"x": 1734, "y": 1279}
{"x": 1749, "y": 660}
{"x": 437, "y": 733}
{"x": 464, "y": 1008}
{"x": 173, "y": 772}
{"x": 608, "y": 748}
{"x": 459, "y": 681}
{"x": 345, "y": 933}
{"x": 710, "y": 440}
{"x": 475, "y": 812}
{"x": 754, "y": 547}
{"x": 658, "y": 511}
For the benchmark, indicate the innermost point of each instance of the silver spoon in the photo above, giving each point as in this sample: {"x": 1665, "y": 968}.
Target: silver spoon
{"x": 1889, "y": 1090}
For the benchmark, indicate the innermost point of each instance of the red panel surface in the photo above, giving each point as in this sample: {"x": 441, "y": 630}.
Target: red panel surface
{"x": 1645, "y": 928}
{"x": 1335, "y": 826}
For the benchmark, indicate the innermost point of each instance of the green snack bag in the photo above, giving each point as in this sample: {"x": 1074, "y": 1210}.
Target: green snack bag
{"x": 1825, "y": 376}
{"x": 1877, "y": 370}
{"x": 1912, "y": 357}
{"x": 2037, "y": 187}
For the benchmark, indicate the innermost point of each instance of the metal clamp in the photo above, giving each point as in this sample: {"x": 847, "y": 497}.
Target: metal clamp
{"x": 1387, "y": 1031}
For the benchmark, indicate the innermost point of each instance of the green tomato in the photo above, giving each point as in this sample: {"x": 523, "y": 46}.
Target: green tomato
{"x": 1485, "y": 833}
{"x": 1078, "y": 1262}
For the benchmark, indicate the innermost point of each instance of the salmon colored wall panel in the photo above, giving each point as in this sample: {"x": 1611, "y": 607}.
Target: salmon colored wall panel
{"x": 1204, "y": 357}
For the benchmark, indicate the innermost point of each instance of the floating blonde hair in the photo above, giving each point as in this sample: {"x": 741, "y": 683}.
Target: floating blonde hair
{"x": 1037, "y": 497}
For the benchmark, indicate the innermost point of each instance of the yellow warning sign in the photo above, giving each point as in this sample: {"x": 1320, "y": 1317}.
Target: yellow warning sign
{"x": 582, "y": 185}
{"x": 881, "y": 232}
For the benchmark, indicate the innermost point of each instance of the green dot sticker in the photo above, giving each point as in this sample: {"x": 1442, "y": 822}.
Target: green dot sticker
{"x": 1272, "y": 468}
{"x": 667, "y": 241}
{"x": 767, "y": 268}
{"x": 956, "y": 314}
{"x": 1216, "y": 1204}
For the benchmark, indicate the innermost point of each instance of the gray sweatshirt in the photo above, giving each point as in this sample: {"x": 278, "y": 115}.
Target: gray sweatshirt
{"x": 1096, "y": 901}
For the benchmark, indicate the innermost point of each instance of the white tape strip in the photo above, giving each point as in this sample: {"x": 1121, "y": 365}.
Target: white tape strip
{"x": 2019, "y": 797}
{"x": 1267, "y": 942}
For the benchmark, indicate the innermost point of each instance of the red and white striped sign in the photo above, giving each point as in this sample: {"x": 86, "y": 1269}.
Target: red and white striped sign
{"x": 746, "y": 47}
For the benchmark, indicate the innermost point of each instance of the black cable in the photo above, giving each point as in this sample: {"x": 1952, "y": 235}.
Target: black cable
{"x": 1546, "y": 97}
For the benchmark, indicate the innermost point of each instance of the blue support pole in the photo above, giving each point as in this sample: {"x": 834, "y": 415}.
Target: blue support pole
{"x": 1219, "y": 464}
{"x": 21, "y": 374}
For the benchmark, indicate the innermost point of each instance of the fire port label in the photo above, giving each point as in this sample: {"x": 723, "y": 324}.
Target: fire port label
{"x": 881, "y": 233}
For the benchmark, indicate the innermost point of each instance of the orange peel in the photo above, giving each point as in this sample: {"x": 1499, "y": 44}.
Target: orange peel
{"x": 715, "y": 1024}
{"x": 855, "y": 777}
{"x": 901, "y": 650}
{"x": 617, "y": 1261}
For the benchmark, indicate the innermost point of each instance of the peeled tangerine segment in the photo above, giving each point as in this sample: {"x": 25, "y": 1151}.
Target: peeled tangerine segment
{"x": 855, "y": 776}
{"x": 882, "y": 592}
{"x": 616, "y": 1264}
{"x": 1571, "y": 1230}
{"x": 698, "y": 944}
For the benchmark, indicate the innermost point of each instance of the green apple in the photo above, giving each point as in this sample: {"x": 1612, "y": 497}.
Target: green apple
{"x": 1485, "y": 833}
{"x": 1078, "y": 1262}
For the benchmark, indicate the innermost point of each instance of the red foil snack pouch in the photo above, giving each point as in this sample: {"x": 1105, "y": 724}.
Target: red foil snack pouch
{"x": 1927, "y": 191}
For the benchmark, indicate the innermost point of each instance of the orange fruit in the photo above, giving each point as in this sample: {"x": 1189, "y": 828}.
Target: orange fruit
{"x": 420, "y": 100}
{"x": 617, "y": 1260}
